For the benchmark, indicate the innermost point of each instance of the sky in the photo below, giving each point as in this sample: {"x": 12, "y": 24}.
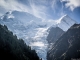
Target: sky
{"x": 44, "y": 9}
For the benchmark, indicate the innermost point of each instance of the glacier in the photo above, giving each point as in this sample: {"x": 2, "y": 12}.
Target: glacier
{"x": 33, "y": 30}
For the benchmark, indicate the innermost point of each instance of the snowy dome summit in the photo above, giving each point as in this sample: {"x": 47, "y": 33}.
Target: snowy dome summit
{"x": 32, "y": 29}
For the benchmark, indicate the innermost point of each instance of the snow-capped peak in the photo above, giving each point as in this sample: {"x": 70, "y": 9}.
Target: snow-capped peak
{"x": 34, "y": 30}
{"x": 7, "y": 15}
{"x": 65, "y": 22}
{"x": 59, "y": 21}
{"x": 9, "y": 12}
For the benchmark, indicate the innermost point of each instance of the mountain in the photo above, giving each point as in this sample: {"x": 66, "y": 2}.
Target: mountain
{"x": 54, "y": 34}
{"x": 65, "y": 22}
{"x": 33, "y": 30}
{"x": 21, "y": 16}
{"x": 29, "y": 28}
{"x": 67, "y": 47}
{"x": 12, "y": 48}
{"x": 57, "y": 30}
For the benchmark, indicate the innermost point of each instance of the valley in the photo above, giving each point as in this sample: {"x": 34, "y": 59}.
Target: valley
{"x": 40, "y": 35}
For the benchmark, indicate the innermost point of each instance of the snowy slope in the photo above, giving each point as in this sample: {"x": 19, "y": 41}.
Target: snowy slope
{"x": 32, "y": 29}
{"x": 65, "y": 22}
{"x": 33, "y": 33}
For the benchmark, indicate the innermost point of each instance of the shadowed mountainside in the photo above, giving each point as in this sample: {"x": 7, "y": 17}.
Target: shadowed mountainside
{"x": 12, "y": 48}
{"x": 54, "y": 34}
{"x": 67, "y": 47}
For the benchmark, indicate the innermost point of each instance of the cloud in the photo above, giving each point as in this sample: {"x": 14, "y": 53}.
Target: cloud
{"x": 39, "y": 11}
{"x": 54, "y": 5}
{"x": 40, "y": 44}
{"x": 44, "y": 9}
{"x": 8, "y": 5}
{"x": 37, "y": 8}
{"x": 72, "y": 4}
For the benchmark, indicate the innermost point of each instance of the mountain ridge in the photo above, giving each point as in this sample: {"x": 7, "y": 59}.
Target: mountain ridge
{"x": 67, "y": 46}
{"x": 31, "y": 29}
{"x": 12, "y": 48}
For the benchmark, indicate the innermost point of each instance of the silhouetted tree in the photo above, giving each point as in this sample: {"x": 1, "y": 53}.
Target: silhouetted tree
{"x": 12, "y": 48}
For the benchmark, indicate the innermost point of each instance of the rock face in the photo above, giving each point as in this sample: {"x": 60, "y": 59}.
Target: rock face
{"x": 54, "y": 34}
{"x": 67, "y": 47}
